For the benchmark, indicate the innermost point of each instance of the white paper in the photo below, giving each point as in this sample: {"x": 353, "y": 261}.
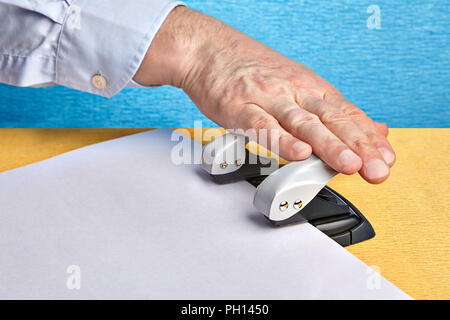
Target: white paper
{"x": 120, "y": 220}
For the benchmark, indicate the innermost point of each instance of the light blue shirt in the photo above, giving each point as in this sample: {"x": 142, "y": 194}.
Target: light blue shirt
{"x": 72, "y": 42}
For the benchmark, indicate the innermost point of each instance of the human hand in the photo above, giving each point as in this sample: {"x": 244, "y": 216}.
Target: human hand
{"x": 240, "y": 83}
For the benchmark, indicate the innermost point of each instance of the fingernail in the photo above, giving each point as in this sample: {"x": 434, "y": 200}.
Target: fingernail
{"x": 300, "y": 149}
{"x": 348, "y": 158}
{"x": 376, "y": 169}
{"x": 388, "y": 156}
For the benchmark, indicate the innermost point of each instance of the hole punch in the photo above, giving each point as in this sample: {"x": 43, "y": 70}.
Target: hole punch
{"x": 319, "y": 205}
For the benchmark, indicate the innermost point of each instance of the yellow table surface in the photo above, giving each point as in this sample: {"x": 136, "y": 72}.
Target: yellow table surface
{"x": 410, "y": 211}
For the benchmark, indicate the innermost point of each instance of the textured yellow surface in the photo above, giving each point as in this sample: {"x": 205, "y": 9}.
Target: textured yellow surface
{"x": 409, "y": 212}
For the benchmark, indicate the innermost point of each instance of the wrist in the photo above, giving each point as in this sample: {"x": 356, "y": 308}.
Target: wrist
{"x": 172, "y": 53}
{"x": 182, "y": 48}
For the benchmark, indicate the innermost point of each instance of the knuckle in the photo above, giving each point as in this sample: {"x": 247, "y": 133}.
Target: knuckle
{"x": 277, "y": 90}
{"x": 361, "y": 143}
{"x": 234, "y": 93}
{"x": 303, "y": 121}
{"x": 374, "y": 136}
{"x": 259, "y": 121}
{"x": 300, "y": 118}
{"x": 332, "y": 94}
{"x": 333, "y": 116}
{"x": 295, "y": 81}
{"x": 272, "y": 85}
{"x": 353, "y": 111}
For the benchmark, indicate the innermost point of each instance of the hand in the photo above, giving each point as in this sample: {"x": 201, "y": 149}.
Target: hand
{"x": 240, "y": 83}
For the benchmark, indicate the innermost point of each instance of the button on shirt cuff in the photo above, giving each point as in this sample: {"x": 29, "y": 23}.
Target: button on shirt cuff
{"x": 103, "y": 42}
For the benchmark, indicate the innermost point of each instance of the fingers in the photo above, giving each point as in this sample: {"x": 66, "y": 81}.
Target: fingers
{"x": 308, "y": 127}
{"x": 369, "y": 127}
{"x": 270, "y": 134}
{"x": 370, "y": 145}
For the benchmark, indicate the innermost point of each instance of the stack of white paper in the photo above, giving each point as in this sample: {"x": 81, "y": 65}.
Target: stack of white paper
{"x": 120, "y": 220}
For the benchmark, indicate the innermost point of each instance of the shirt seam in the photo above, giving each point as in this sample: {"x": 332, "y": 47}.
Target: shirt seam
{"x": 59, "y": 59}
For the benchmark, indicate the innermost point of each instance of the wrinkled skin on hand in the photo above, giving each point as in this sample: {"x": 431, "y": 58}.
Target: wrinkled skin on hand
{"x": 240, "y": 83}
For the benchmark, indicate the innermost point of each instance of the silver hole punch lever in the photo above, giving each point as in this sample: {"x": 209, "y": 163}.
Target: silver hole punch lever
{"x": 288, "y": 194}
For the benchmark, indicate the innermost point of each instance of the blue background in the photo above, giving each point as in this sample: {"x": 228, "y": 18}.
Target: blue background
{"x": 398, "y": 75}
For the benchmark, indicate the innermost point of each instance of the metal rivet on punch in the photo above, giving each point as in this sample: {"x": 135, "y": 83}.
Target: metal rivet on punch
{"x": 298, "y": 204}
{"x": 223, "y": 165}
{"x": 284, "y": 205}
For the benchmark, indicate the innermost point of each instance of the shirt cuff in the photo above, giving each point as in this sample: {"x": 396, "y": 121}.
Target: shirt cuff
{"x": 103, "y": 42}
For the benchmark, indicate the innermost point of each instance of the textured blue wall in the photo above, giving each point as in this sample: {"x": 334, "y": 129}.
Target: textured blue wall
{"x": 399, "y": 74}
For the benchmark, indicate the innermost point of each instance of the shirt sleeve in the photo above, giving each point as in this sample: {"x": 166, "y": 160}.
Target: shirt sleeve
{"x": 92, "y": 46}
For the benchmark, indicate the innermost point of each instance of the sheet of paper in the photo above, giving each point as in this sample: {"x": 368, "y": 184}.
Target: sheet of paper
{"x": 120, "y": 220}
